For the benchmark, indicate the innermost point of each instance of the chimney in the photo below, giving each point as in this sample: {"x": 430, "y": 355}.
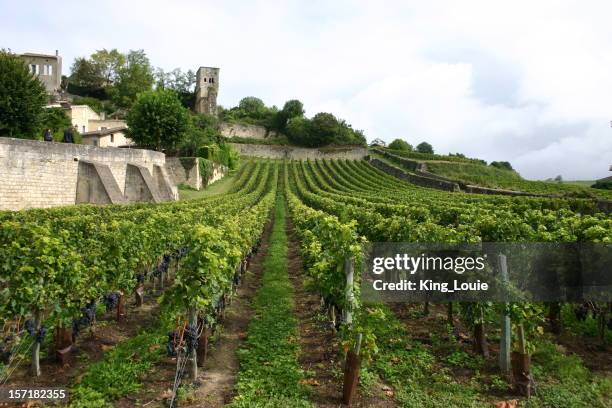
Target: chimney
{"x": 56, "y": 53}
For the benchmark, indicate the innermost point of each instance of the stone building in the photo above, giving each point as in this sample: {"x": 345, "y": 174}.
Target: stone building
{"x": 48, "y": 69}
{"x": 207, "y": 89}
{"x": 97, "y": 130}
{"x": 108, "y": 137}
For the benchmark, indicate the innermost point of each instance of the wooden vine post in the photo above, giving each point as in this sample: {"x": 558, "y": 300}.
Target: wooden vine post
{"x": 36, "y": 345}
{"x": 506, "y": 336}
{"x": 193, "y": 322}
{"x": 349, "y": 270}
{"x": 139, "y": 293}
{"x": 353, "y": 360}
{"x": 121, "y": 307}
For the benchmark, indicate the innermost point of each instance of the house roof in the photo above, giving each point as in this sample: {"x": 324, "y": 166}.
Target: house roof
{"x": 33, "y": 54}
{"x": 104, "y": 132}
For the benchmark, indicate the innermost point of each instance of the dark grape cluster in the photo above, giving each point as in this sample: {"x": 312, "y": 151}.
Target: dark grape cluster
{"x": 89, "y": 314}
{"x": 581, "y": 312}
{"x": 39, "y": 335}
{"x": 5, "y": 354}
{"x": 29, "y": 326}
{"x": 191, "y": 338}
{"x": 220, "y": 305}
{"x": 170, "y": 345}
{"x": 111, "y": 300}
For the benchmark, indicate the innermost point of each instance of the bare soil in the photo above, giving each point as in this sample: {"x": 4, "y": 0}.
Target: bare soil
{"x": 89, "y": 348}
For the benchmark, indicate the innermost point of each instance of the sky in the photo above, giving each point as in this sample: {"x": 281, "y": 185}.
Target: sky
{"x": 529, "y": 82}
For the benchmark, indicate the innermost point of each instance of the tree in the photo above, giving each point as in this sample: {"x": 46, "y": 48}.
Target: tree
{"x": 292, "y": 109}
{"x": 134, "y": 77}
{"x": 298, "y": 131}
{"x": 157, "y": 120}
{"x": 504, "y": 165}
{"x": 252, "y": 107}
{"x": 399, "y": 144}
{"x": 202, "y": 130}
{"x": 108, "y": 64}
{"x": 324, "y": 128}
{"x": 86, "y": 74}
{"x": 559, "y": 179}
{"x": 183, "y": 83}
{"x": 22, "y": 97}
{"x": 424, "y": 147}
{"x": 56, "y": 120}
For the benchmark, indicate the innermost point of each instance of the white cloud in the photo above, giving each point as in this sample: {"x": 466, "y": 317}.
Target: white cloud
{"x": 521, "y": 81}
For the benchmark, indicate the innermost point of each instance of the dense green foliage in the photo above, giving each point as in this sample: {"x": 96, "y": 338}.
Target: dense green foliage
{"x": 603, "y": 184}
{"x": 22, "y": 97}
{"x": 424, "y": 147}
{"x": 504, "y": 165}
{"x": 400, "y": 144}
{"x": 322, "y": 130}
{"x": 158, "y": 120}
{"x": 201, "y": 130}
{"x": 57, "y": 120}
{"x": 183, "y": 83}
{"x": 291, "y": 109}
{"x": 110, "y": 74}
{"x": 221, "y": 153}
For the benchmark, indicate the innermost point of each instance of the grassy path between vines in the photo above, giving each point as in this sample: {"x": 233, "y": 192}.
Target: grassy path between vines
{"x": 270, "y": 374}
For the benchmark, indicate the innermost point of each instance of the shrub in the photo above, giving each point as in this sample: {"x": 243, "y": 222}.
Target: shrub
{"x": 158, "y": 120}
{"x": 424, "y": 147}
{"x": 399, "y": 144}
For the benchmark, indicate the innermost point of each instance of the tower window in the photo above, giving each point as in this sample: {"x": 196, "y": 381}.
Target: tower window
{"x": 212, "y": 80}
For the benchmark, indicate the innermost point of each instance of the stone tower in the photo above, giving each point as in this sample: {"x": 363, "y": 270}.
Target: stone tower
{"x": 207, "y": 88}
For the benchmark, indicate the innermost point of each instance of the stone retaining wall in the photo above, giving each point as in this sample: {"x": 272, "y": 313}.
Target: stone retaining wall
{"x": 413, "y": 178}
{"x": 300, "y": 153}
{"x": 230, "y": 130}
{"x": 43, "y": 174}
{"x": 186, "y": 171}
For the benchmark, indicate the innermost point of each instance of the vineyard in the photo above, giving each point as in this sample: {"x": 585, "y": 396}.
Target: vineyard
{"x": 251, "y": 298}
{"x": 477, "y": 172}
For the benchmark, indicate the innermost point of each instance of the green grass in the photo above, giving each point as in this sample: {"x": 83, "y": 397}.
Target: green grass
{"x": 582, "y": 183}
{"x": 564, "y": 381}
{"x": 422, "y": 374}
{"x": 270, "y": 374}
{"x": 488, "y": 176}
{"x": 418, "y": 377}
{"x": 219, "y": 187}
{"x": 120, "y": 372}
